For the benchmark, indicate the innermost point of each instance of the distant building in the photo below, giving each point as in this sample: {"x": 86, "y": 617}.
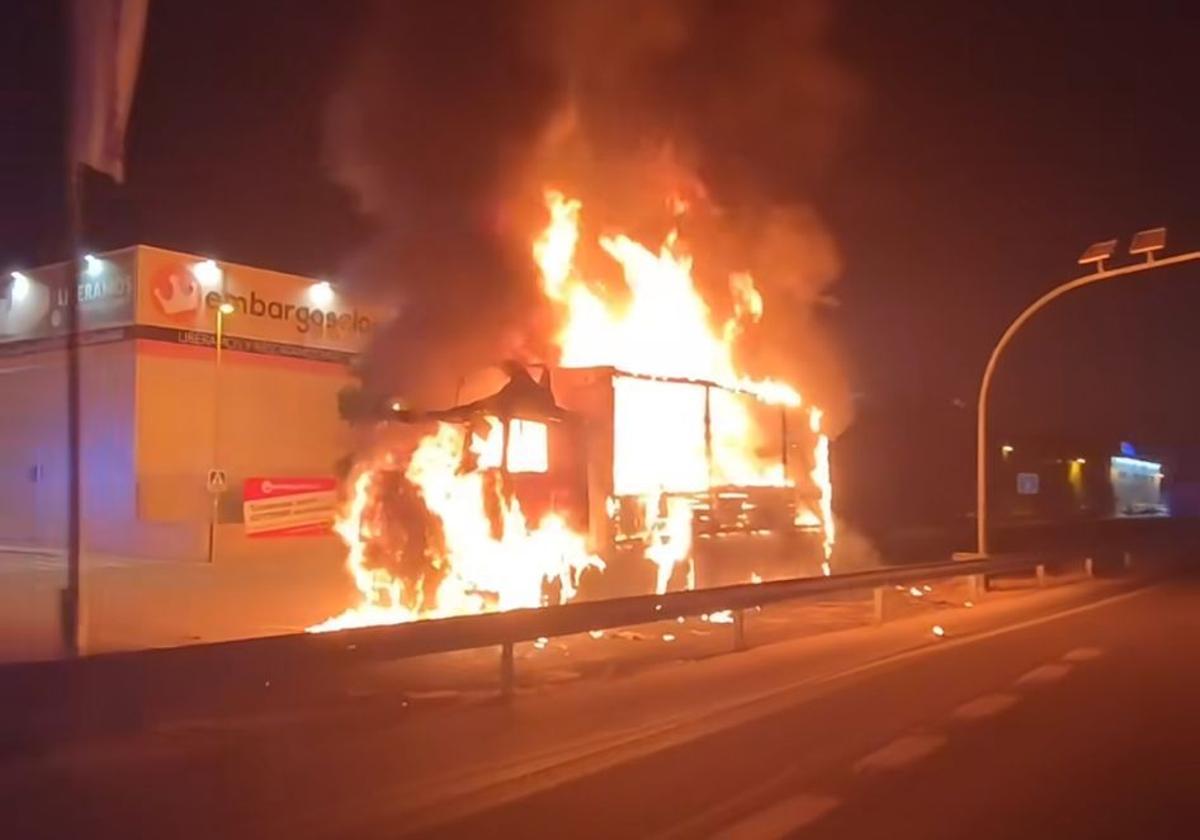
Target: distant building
{"x": 169, "y": 440}
{"x": 1056, "y": 478}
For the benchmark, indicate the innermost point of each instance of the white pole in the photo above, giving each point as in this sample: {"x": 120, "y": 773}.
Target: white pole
{"x": 981, "y": 444}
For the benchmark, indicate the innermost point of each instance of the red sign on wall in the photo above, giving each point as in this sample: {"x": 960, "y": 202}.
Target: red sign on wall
{"x": 289, "y": 507}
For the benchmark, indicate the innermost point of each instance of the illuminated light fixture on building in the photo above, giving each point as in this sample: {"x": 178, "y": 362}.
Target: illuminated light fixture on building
{"x": 207, "y": 273}
{"x": 1006, "y": 450}
{"x": 1081, "y": 460}
{"x": 92, "y": 265}
{"x": 19, "y": 290}
{"x": 1137, "y": 464}
{"x": 321, "y": 293}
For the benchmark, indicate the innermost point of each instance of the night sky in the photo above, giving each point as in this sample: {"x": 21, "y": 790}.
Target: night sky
{"x": 989, "y": 143}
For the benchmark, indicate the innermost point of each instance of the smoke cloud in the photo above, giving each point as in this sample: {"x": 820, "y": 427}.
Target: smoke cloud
{"x": 454, "y": 116}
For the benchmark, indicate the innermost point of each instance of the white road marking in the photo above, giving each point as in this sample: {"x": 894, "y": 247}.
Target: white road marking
{"x": 985, "y": 706}
{"x": 1083, "y": 654}
{"x": 781, "y": 819}
{"x": 903, "y": 751}
{"x": 1044, "y": 674}
{"x": 473, "y": 792}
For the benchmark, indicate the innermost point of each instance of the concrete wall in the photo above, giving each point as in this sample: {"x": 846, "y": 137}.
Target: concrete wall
{"x": 275, "y": 417}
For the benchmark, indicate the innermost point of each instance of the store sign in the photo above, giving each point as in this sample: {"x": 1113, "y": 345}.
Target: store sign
{"x": 103, "y": 293}
{"x": 262, "y": 305}
{"x": 289, "y": 507}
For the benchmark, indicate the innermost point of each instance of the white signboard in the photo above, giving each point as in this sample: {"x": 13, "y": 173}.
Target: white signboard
{"x": 216, "y": 481}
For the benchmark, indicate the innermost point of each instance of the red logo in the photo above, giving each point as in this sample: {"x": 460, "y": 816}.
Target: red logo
{"x": 176, "y": 293}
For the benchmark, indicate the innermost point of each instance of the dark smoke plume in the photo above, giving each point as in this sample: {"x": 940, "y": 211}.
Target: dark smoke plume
{"x": 454, "y": 115}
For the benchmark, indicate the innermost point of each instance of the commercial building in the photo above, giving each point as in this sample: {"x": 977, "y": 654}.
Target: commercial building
{"x": 187, "y": 450}
{"x": 1057, "y": 479}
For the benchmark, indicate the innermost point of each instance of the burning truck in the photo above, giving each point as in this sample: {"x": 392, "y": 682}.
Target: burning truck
{"x": 641, "y": 461}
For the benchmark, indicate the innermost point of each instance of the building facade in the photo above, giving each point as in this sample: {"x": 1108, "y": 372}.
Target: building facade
{"x": 188, "y": 452}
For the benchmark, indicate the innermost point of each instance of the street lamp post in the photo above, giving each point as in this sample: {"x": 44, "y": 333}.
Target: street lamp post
{"x": 225, "y": 308}
{"x": 1096, "y": 254}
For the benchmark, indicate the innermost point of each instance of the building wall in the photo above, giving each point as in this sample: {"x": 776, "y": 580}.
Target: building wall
{"x": 150, "y": 423}
{"x": 276, "y": 417}
{"x": 33, "y": 458}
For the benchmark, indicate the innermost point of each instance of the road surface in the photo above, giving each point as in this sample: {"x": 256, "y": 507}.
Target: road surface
{"x": 1081, "y": 725}
{"x": 1064, "y": 713}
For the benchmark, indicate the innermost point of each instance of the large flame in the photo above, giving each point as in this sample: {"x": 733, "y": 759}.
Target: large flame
{"x": 488, "y": 556}
{"x": 683, "y": 423}
{"x": 821, "y": 477}
{"x": 665, "y": 329}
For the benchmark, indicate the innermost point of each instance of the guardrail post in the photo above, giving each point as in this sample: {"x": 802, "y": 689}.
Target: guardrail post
{"x": 1089, "y": 567}
{"x": 1041, "y": 574}
{"x": 880, "y": 595}
{"x": 507, "y": 670}
{"x": 739, "y": 629}
{"x": 976, "y": 586}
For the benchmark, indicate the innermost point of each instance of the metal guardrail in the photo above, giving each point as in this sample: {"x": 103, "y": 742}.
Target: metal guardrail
{"x": 504, "y": 629}
{"x": 305, "y": 654}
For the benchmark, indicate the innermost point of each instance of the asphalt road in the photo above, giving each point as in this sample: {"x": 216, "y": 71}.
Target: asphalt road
{"x": 1067, "y": 713}
{"x": 1078, "y": 725}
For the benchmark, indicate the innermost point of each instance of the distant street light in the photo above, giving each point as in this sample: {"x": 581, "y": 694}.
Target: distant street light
{"x": 224, "y": 309}
{"x": 1145, "y": 242}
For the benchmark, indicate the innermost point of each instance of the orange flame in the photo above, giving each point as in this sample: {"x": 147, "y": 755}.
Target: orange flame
{"x": 664, "y": 329}
{"x": 486, "y": 568}
{"x": 821, "y": 477}
{"x": 682, "y": 423}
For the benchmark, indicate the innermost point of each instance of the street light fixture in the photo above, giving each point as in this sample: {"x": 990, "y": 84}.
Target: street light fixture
{"x": 1098, "y": 252}
{"x": 1148, "y": 241}
{"x": 1145, "y": 242}
{"x": 224, "y": 309}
